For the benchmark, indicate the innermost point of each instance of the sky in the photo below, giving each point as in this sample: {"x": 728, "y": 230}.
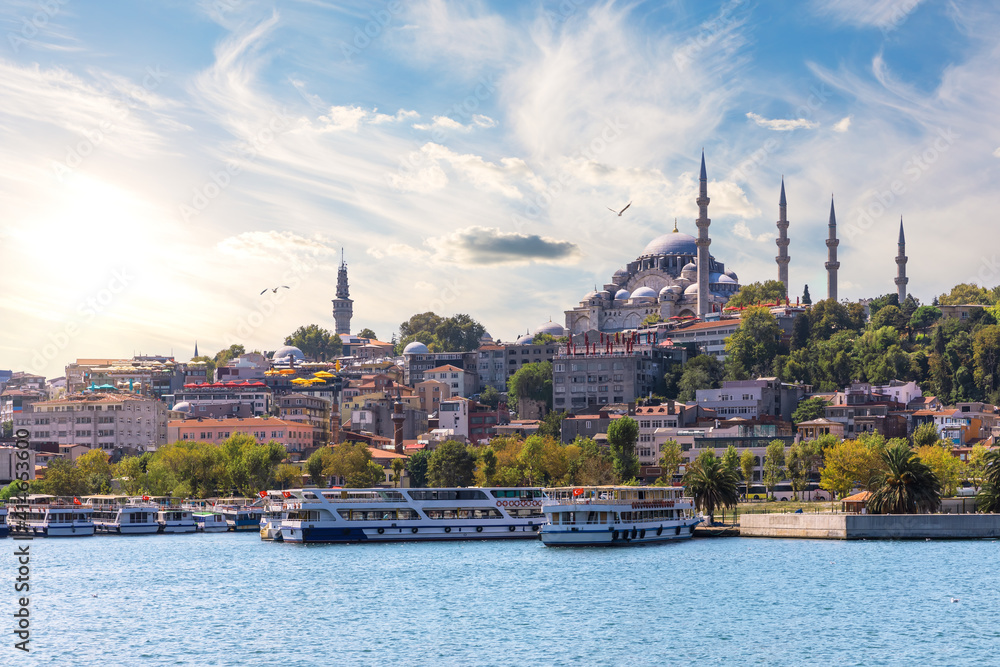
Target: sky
{"x": 164, "y": 162}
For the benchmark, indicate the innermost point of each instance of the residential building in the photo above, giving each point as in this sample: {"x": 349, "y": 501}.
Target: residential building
{"x": 707, "y": 337}
{"x": 430, "y": 394}
{"x": 591, "y": 424}
{"x": 100, "y": 420}
{"x": 199, "y": 395}
{"x": 585, "y": 381}
{"x": 157, "y": 376}
{"x": 295, "y": 436}
{"x": 470, "y": 420}
{"x": 417, "y": 360}
{"x": 904, "y": 393}
{"x": 814, "y": 428}
{"x": 460, "y": 382}
{"x": 311, "y": 410}
{"x": 14, "y": 401}
{"x": 750, "y": 399}
{"x": 961, "y": 312}
{"x": 246, "y": 367}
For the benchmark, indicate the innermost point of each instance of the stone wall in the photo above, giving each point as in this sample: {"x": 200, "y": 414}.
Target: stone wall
{"x": 871, "y": 526}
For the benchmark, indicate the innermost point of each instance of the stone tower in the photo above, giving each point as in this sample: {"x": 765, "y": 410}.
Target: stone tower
{"x": 343, "y": 306}
{"x": 703, "y": 242}
{"x": 901, "y": 278}
{"x": 832, "y": 264}
{"x": 782, "y": 241}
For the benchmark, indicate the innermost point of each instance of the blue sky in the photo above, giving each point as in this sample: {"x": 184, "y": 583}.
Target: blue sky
{"x": 164, "y": 162}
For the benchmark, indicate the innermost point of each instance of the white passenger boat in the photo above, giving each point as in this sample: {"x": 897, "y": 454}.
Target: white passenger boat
{"x": 120, "y": 515}
{"x": 175, "y": 520}
{"x": 4, "y": 528}
{"x": 616, "y": 515}
{"x": 48, "y": 516}
{"x": 209, "y": 522}
{"x": 241, "y": 517}
{"x": 411, "y": 515}
{"x": 270, "y": 521}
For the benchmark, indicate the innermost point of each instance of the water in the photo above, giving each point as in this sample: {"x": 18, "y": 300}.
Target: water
{"x": 230, "y": 599}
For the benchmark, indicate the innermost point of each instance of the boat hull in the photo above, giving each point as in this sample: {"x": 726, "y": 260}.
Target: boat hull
{"x": 115, "y": 529}
{"x": 340, "y": 534}
{"x": 557, "y": 536}
{"x": 177, "y": 528}
{"x": 61, "y": 531}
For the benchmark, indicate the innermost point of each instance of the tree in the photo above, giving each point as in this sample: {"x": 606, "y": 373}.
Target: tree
{"x": 809, "y": 409}
{"x": 806, "y": 299}
{"x": 752, "y": 348}
{"x": 803, "y": 459}
{"x": 924, "y": 317}
{"x": 532, "y": 382}
{"x": 530, "y": 456}
{"x": 210, "y": 366}
{"x": 967, "y": 293}
{"x": 490, "y": 396}
{"x": 622, "y": 436}
{"x": 398, "y": 465}
{"x": 701, "y": 372}
{"x": 316, "y": 463}
{"x": 651, "y": 319}
{"x": 849, "y": 464}
{"x": 770, "y": 291}
{"x": 288, "y": 475}
{"x": 349, "y": 461}
{"x": 986, "y": 354}
{"x": 670, "y": 461}
{"x": 889, "y": 316}
{"x": 460, "y": 333}
{"x": 800, "y": 331}
{"x": 774, "y": 465}
{"x": 924, "y": 435}
{"x": 946, "y": 468}
{"x": 130, "y": 475}
{"x": 232, "y": 352}
{"x": 95, "y": 470}
{"x": 249, "y": 465}
{"x": 551, "y": 425}
{"x": 8, "y": 428}
{"x": 367, "y": 333}
{"x": 315, "y": 342}
{"x": 907, "y": 486}
{"x": 417, "y": 468}
{"x": 731, "y": 459}
{"x": 975, "y": 469}
{"x": 488, "y": 461}
{"x": 62, "y": 478}
{"x": 748, "y": 462}
{"x": 711, "y": 484}
{"x": 988, "y": 498}
{"x": 371, "y": 475}
{"x": 451, "y": 464}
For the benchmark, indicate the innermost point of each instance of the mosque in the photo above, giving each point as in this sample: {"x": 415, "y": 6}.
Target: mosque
{"x": 674, "y": 276}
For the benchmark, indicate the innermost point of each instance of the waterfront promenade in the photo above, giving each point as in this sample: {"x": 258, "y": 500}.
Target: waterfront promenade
{"x": 871, "y": 526}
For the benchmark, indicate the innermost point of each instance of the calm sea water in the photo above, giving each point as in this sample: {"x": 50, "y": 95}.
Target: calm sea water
{"x": 230, "y": 599}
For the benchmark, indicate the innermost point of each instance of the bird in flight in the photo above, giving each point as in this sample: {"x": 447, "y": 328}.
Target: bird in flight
{"x": 621, "y": 211}
{"x": 275, "y": 289}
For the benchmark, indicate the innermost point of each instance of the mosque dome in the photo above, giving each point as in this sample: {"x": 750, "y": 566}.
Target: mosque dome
{"x": 416, "y": 347}
{"x": 183, "y": 406}
{"x": 726, "y": 280}
{"x": 644, "y": 292}
{"x": 526, "y": 339}
{"x": 690, "y": 266}
{"x": 691, "y": 289}
{"x": 604, "y": 294}
{"x": 621, "y": 295}
{"x": 732, "y": 274}
{"x": 590, "y": 295}
{"x": 288, "y": 353}
{"x": 551, "y": 328}
{"x": 620, "y": 276}
{"x": 674, "y": 243}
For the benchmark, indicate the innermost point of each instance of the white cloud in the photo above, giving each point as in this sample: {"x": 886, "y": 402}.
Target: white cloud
{"x": 743, "y": 231}
{"x": 446, "y": 123}
{"x": 350, "y": 118}
{"x": 843, "y": 124}
{"x": 996, "y": 153}
{"x": 882, "y": 14}
{"x": 781, "y": 124}
{"x": 276, "y": 245}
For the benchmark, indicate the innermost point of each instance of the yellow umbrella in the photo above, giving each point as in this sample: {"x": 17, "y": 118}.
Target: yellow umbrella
{"x": 288, "y": 371}
{"x": 301, "y": 381}
{"x": 324, "y": 374}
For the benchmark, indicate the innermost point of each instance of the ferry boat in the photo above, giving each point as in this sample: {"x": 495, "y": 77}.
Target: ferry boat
{"x": 209, "y": 522}
{"x": 241, "y": 517}
{"x": 270, "y": 522}
{"x": 410, "y": 515}
{"x": 49, "y": 516}
{"x": 119, "y": 515}
{"x": 175, "y": 520}
{"x": 4, "y": 528}
{"x": 616, "y": 515}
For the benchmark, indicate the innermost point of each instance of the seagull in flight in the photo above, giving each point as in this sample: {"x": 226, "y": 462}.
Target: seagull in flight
{"x": 621, "y": 211}
{"x": 275, "y": 289}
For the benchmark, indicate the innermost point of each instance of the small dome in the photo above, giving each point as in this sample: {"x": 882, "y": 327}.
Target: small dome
{"x": 183, "y": 406}
{"x": 621, "y": 295}
{"x": 674, "y": 243}
{"x": 732, "y": 274}
{"x": 526, "y": 339}
{"x": 644, "y": 292}
{"x": 690, "y": 266}
{"x": 604, "y": 294}
{"x": 551, "y": 328}
{"x": 621, "y": 275}
{"x": 288, "y": 353}
{"x": 416, "y": 347}
{"x": 590, "y": 295}
{"x": 691, "y": 289}
{"x": 726, "y": 280}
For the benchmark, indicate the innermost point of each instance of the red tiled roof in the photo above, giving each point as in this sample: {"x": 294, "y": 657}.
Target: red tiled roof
{"x": 446, "y": 367}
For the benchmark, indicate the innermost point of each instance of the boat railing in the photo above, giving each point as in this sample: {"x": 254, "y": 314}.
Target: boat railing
{"x": 639, "y": 504}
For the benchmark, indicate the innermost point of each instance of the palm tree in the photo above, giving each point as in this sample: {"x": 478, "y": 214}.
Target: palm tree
{"x": 988, "y": 498}
{"x": 907, "y": 486}
{"x": 711, "y": 484}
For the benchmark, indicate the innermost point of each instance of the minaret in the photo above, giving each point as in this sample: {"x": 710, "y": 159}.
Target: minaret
{"x": 782, "y": 241}
{"x": 832, "y": 264}
{"x": 901, "y": 278}
{"x": 195, "y": 349}
{"x": 343, "y": 307}
{"x": 703, "y": 242}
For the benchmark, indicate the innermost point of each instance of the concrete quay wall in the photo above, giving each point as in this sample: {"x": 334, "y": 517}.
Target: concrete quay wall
{"x": 871, "y": 526}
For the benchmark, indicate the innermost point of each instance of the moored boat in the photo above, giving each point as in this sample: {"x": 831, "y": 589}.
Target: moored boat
{"x": 4, "y": 528}
{"x": 175, "y": 520}
{"x": 120, "y": 515}
{"x": 49, "y": 516}
{"x": 209, "y": 522}
{"x": 616, "y": 515}
{"x": 241, "y": 517}
{"x": 409, "y": 515}
{"x": 270, "y": 521}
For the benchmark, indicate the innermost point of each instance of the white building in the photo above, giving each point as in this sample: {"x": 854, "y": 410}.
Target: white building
{"x": 98, "y": 420}
{"x": 460, "y": 382}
